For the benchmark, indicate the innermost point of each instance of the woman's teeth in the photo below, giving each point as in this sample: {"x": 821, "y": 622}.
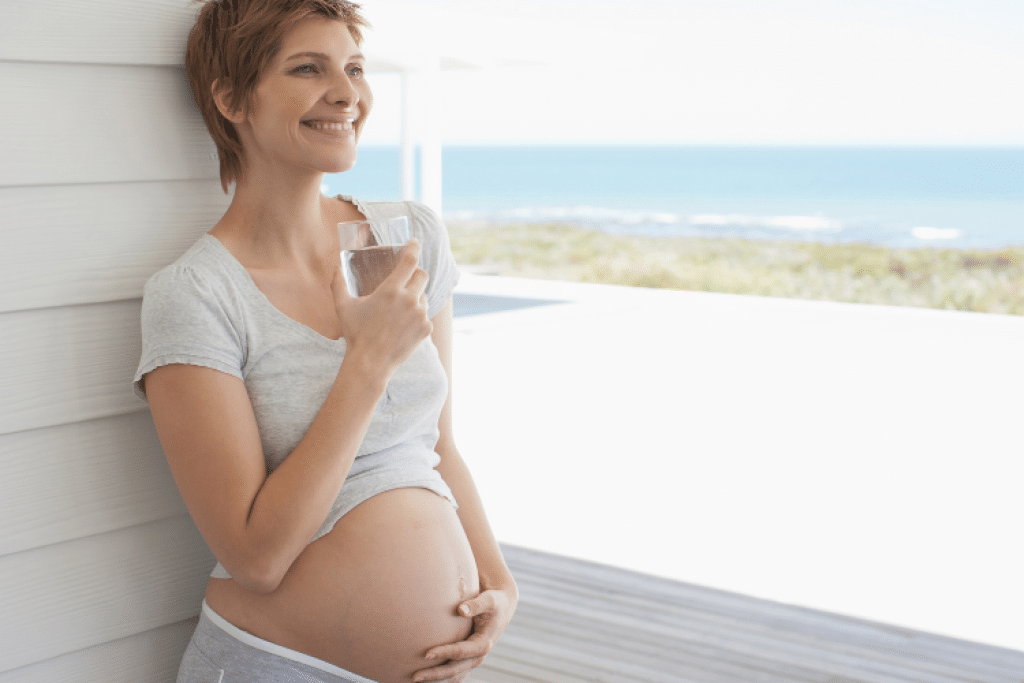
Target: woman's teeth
{"x": 321, "y": 125}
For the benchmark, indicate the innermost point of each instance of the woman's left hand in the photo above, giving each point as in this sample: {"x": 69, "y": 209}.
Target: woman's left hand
{"x": 490, "y": 611}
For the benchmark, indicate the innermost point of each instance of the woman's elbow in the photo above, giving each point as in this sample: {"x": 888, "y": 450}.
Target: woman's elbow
{"x": 260, "y": 585}
{"x": 256, "y": 576}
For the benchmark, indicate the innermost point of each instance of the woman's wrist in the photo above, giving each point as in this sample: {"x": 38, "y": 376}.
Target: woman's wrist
{"x": 363, "y": 370}
{"x": 504, "y": 582}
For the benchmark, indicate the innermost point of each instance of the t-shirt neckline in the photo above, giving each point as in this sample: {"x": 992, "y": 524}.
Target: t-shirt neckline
{"x": 256, "y": 293}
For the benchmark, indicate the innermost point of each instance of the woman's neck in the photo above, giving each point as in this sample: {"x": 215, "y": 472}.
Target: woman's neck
{"x": 279, "y": 223}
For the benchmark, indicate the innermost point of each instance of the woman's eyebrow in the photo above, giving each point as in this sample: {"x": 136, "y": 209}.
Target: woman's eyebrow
{"x": 321, "y": 55}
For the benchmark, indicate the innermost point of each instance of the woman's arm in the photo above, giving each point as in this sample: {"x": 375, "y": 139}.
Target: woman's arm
{"x": 453, "y": 469}
{"x": 492, "y": 610}
{"x": 209, "y": 435}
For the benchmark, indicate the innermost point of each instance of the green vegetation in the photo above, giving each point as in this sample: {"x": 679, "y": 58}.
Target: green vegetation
{"x": 983, "y": 281}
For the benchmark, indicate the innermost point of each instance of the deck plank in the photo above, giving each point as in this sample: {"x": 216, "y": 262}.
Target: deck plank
{"x": 665, "y": 659}
{"x": 715, "y": 664}
{"x": 582, "y": 621}
{"x": 617, "y": 585}
{"x": 749, "y": 639}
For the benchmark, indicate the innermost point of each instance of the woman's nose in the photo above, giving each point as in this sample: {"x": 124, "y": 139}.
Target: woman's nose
{"x": 343, "y": 91}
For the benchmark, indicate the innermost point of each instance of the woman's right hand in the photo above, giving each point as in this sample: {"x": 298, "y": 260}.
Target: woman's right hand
{"x": 385, "y": 327}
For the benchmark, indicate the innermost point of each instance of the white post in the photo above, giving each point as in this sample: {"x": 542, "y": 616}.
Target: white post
{"x": 408, "y": 169}
{"x": 429, "y": 112}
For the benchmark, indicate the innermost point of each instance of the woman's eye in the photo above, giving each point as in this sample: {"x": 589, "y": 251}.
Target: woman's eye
{"x": 356, "y": 71}
{"x": 305, "y": 69}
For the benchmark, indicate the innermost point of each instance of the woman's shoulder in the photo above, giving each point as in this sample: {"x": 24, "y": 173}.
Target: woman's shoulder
{"x": 203, "y": 266}
{"x": 419, "y": 214}
{"x": 192, "y": 313}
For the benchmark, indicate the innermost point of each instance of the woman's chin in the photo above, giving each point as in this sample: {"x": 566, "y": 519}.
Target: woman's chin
{"x": 340, "y": 165}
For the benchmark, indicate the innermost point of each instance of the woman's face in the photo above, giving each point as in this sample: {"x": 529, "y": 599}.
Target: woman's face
{"x": 312, "y": 103}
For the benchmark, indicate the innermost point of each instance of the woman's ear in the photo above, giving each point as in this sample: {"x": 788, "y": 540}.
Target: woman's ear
{"x": 221, "y": 100}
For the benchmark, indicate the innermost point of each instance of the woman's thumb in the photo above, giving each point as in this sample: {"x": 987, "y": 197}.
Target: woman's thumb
{"x": 472, "y": 607}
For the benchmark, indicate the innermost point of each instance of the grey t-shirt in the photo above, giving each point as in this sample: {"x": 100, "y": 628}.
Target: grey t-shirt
{"x": 204, "y": 309}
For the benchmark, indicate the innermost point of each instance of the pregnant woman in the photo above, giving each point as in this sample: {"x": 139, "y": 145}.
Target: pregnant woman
{"x": 309, "y": 430}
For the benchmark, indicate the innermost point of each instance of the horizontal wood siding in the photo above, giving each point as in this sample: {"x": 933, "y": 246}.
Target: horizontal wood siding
{"x": 85, "y": 123}
{"x": 83, "y": 593}
{"x": 151, "y": 656}
{"x": 108, "y": 175}
{"x": 127, "y": 32}
{"x": 78, "y": 244}
{"x": 151, "y": 32}
{"x": 83, "y": 479}
{"x": 68, "y": 364}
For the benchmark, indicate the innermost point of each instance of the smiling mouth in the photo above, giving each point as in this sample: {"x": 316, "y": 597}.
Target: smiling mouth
{"x": 330, "y": 126}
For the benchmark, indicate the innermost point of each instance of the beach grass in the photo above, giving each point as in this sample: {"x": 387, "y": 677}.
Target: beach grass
{"x": 987, "y": 281}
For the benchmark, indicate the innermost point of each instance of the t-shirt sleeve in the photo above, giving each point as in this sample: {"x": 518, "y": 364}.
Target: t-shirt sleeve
{"x": 187, "y": 318}
{"x": 435, "y": 256}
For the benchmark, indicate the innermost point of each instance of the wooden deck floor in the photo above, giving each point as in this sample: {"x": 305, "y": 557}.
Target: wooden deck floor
{"x": 579, "y": 621}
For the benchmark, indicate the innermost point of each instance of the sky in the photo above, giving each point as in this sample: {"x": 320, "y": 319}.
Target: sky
{"x": 757, "y": 72}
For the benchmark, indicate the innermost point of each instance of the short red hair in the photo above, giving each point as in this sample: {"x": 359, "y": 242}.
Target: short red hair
{"x": 231, "y": 44}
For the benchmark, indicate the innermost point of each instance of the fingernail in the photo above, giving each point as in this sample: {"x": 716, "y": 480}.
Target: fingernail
{"x": 465, "y": 610}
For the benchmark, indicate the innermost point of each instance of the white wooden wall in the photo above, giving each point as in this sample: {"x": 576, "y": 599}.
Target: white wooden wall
{"x": 106, "y": 175}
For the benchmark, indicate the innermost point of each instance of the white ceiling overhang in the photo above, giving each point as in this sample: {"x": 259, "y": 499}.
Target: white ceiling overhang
{"x": 420, "y": 41}
{"x": 407, "y": 35}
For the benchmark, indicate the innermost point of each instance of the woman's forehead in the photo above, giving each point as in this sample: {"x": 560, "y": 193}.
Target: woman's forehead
{"x": 322, "y": 35}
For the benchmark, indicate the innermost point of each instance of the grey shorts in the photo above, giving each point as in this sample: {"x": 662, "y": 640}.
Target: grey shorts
{"x": 220, "y": 652}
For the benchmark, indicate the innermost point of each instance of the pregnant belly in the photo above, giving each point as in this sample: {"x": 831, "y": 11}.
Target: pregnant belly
{"x": 372, "y": 595}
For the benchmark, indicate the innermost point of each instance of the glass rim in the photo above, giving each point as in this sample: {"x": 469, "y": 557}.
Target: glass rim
{"x": 391, "y": 231}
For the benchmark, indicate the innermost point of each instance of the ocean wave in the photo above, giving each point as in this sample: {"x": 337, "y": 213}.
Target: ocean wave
{"x": 606, "y": 217}
{"x": 750, "y": 226}
{"x": 570, "y": 213}
{"x": 794, "y": 223}
{"x": 924, "y": 233}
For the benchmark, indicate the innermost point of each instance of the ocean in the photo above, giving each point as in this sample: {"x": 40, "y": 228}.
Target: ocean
{"x": 893, "y": 196}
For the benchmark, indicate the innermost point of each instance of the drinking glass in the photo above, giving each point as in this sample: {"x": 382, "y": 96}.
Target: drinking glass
{"x": 369, "y": 251}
